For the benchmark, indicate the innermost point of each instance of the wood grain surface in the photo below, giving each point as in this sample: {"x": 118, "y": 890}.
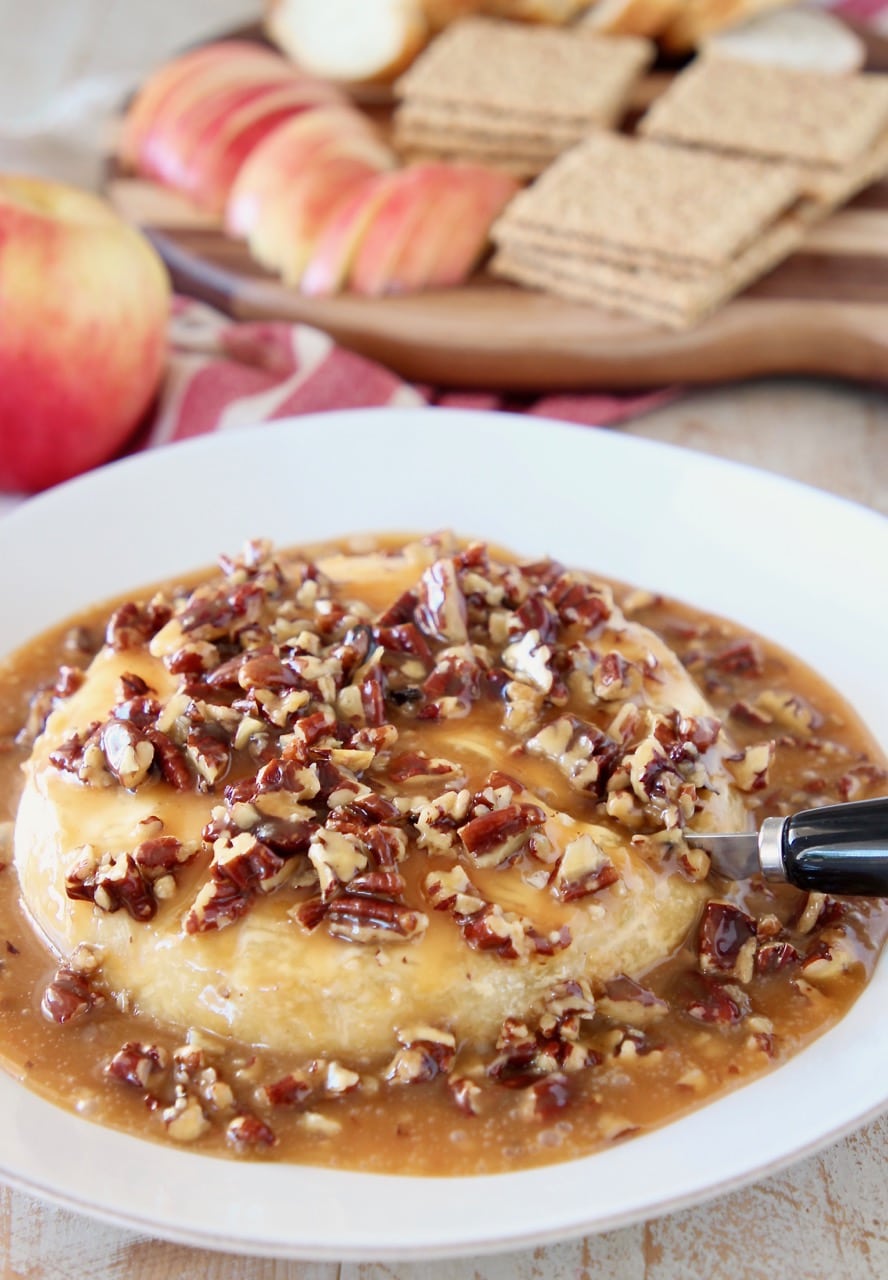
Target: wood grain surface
{"x": 823, "y": 311}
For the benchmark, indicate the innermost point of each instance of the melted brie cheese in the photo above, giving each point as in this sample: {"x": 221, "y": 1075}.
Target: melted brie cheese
{"x": 265, "y": 980}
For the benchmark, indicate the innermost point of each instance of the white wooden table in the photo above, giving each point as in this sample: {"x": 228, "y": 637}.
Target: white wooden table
{"x": 826, "y": 1216}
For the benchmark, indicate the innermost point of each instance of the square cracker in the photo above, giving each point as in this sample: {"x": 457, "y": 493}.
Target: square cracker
{"x": 520, "y": 167}
{"x": 810, "y": 117}
{"x": 831, "y": 188}
{"x": 651, "y": 294}
{"x": 541, "y": 71}
{"x": 434, "y": 117}
{"x": 651, "y": 200}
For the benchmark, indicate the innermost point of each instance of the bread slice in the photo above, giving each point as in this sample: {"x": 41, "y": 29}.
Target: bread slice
{"x": 632, "y": 17}
{"x": 698, "y": 19}
{"x": 805, "y": 39}
{"x": 353, "y": 41}
{"x": 555, "y": 11}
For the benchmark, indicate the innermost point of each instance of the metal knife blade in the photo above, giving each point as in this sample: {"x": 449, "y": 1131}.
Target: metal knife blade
{"x": 734, "y": 855}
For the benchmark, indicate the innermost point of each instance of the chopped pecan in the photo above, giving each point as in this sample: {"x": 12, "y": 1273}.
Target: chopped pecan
{"x": 717, "y": 1002}
{"x": 625, "y": 1000}
{"x": 128, "y": 753}
{"x": 241, "y": 869}
{"x": 584, "y": 868}
{"x": 135, "y": 1063}
{"x": 750, "y": 767}
{"x": 453, "y": 685}
{"x": 496, "y": 837}
{"x": 791, "y": 711}
{"x": 726, "y": 941}
{"x": 466, "y": 1094}
{"x": 418, "y": 768}
{"x": 586, "y": 756}
{"x": 356, "y": 918}
{"x": 774, "y": 956}
{"x": 440, "y": 610}
{"x": 743, "y": 657}
{"x": 69, "y": 996}
{"x": 425, "y": 1053}
{"x": 209, "y": 753}
{"x": 184, "y": 1119}
{"x": 134, "y": 624}
{"x": 545, "y": 1098}
{"x": 289, "y": 1091}
{"x": 529, "y": 659}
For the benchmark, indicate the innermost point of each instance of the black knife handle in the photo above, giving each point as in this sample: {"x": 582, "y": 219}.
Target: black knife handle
{"x": 840, "y": 848}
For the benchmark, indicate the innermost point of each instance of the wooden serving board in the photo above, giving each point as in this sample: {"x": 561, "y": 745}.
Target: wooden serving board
{"x": 823, "y": 311}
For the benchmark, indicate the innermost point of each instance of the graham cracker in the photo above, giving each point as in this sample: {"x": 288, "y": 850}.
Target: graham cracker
{"x": 477, "y": 145}
{"x": 830, "y": 188}
{"x": 814, "y": 118}
{"x": 453, "y": 118}
{"x": 642, "y": 291}
{"x": 649, "y": 200}
{"x": 551, "y": 72}
{"x": 515, "y": 166}
{"x": 546, "y": 240}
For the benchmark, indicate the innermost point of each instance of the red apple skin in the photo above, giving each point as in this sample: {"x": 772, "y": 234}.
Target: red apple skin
{"x": 282, "y": 156}
{"x": 413, "y": 192}
{"x": 283, "y": 239}
{"x": 152, "y": 99}
{"x": 231, "y": 140}
{"x": 452, "y": 232}
{"x": 334, "y": 250}
{"x": 84, "y": 303}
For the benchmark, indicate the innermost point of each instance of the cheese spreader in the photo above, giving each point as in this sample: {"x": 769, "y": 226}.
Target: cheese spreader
{"x": 840, "y": 848}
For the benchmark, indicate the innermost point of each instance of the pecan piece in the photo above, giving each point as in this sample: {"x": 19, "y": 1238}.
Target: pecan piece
{"x": 69, "y": 996}
{"x": 441, "y": 606}
{"x": 136, "y": 1063}
{"x": 356, "y": 918}
{"x": 247, "y": 1133}
{"x": 726, "y": 941}
{"x": 133, "y": 624}
{"x": 242, "y": 868}
{"x": 716, "y": 1002}
{"x": 128, "y": 753}
{"x": 545, "y": 1098}
{"x": 496, "y": 837}
{"x": 584, "y": 868}
{"x": 426, "y": 1053}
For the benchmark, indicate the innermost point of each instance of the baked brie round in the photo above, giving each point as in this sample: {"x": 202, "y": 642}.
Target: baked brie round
{"x": 311, "y": 803}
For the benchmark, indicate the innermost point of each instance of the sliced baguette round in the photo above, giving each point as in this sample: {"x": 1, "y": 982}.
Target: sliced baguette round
{"x": 698, "y": 19}
{"x": 632, "y": 17}
{"x": 352, "y": 41}
{"x": 804, "y": 39}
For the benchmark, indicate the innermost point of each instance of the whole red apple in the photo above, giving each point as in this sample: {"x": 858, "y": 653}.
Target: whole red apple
{"x": 84, "y": 301}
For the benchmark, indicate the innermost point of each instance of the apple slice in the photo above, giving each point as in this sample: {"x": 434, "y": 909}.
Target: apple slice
{"x": 452, "y": 232}
{"x": 287, "y": 152}
{"x": 286, "y": 234}
{"x": 416, "y": 190}
{"x": 335, "y": 248}
{"x": 213, "y": 164}
{"x": 177, "y": 133}
{"x": 168, "y": 79}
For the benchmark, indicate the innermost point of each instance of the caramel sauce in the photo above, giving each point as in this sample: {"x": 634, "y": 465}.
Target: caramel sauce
{"x": 646, "y": 1076}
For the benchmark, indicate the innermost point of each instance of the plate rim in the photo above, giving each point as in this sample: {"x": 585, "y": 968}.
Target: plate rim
{"x": 32, "y": 510}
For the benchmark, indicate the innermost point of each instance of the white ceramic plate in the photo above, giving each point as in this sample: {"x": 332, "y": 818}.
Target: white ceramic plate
{"x": 804, "y": 568}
